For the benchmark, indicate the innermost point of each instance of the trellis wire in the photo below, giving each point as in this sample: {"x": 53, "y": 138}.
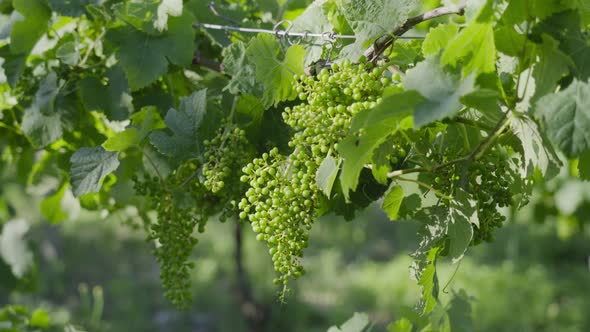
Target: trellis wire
{"x": 328, "y": 36}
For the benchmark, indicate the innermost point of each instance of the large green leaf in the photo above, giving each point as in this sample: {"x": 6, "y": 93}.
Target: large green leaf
{"x": 242, "y": 71}
{"x": 25, "y": 33}
{"x": 183, "y": 124}
{"x": 392, "y": 115}
{"x": 473, "y": 48}
{"x": 89, "y": 167}
{"x": 438, "y": 38}
{"x": 566, "y": 117}
{"x": 441, "y": 90}
{"x": 51, "y": 207}
{"x": 274, "y": 71}
{"x": 371, "y": 19}
{"x": 552, "y": 65}
{"x": 429, "y": 282}
{"x": 145, "y": 57}
{"x": 113, "y": 98}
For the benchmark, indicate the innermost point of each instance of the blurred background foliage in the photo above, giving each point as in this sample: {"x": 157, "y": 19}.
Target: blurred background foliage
{"x": 97, "y": 271}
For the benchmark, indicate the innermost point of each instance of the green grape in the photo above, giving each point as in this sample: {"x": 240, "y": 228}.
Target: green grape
{"x": 282, "y": 197}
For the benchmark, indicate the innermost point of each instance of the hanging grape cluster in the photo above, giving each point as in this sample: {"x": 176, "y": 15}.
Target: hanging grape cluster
{"x": 282, "y": 196}
{"x": 488, "y": 180}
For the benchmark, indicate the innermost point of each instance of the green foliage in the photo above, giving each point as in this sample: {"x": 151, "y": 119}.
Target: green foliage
{"x": 128, "y": 97}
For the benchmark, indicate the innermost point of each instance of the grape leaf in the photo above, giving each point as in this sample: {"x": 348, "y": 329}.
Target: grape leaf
{"x": 313, "y": 20}
{"x": 242, "y": 71}
{"x": 114, "y": 99}
{"x": 123, "y": 140}
{"x": 429, "y": 283}
{"x": 25, "y": 34}
{"x": 521, "y": 10}
{"x": 13, "y": 65}
{"x": 147, "y": 120}
{"x": 184, "y": 125}
{"x": 371, "y": 19}
{"x": 392, "y": 115}
{"x": 326, "y": 175}
{"x": 393, "y": 201}
{"x": 89, "y": 167}
{"x": 552, "y": 65}
{"x": 473, "y": 48}
{"x": 537, "y": 151}
{"x": 441, "y": 89}
{"x": 51, "y": 207}
{"x": 273, "y": 71}
{"x": 566, "y": 117}
{"x": 400, "y": 325}
{"x": 40, "y": 318}
{"x": 145, "y": 57}
{"x": 42, "y": 122}
{"x": 438, "y": 38}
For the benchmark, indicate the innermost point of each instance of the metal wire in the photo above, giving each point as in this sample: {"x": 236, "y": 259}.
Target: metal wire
{"x": 328, "y": 36}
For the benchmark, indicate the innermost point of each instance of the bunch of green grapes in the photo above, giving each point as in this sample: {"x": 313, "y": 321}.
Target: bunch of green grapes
{"x": 224, "y": 156}
{"x": 282, "y": 197}
{"x": 488, "y": 181}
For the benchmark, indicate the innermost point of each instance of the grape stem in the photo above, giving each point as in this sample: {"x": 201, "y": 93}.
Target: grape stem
{"x": 373, "y": 52}
{"x": 420, "y": 183}
{"x": 472, "y": 156}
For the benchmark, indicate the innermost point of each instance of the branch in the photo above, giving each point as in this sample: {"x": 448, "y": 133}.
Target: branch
{"x": 381, "y": 44}
{"x": 206, "y": 62}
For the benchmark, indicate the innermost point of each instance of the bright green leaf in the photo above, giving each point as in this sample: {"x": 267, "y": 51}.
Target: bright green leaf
{"x": 357, "y": 323}
{"x": 40, "y": 318}
{"x": 473, "y": 48}
{"x": 400, "y": 325}
{"x": 392, "y": 115}
{"x": 326, "y": 175}
{"x": 89, "y": 167}
{"x": 273, "y": 71}
{"x": 51, "y": 207}
{"x": 145, "y": 57}
{"x": 25, "y": 34}
{"x": 123, "y": 140}
{"x": 438, "y": 38}
{"x": 68, "y": 53}
{"x": 393, "y": 201}
{"x": 552, "y": 65}
{"x": 566, "y": 117}
{"x": 441, "y": 90}
{"x": 429, "y": 282}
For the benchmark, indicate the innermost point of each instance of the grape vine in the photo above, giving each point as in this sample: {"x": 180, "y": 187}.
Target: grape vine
{"x": 452, "y": 130}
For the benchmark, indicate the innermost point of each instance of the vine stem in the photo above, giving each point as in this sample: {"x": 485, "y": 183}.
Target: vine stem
{"x": 473, "y": 155}
{"x": 373, "y": 52}
{"x": 420, "y": 183}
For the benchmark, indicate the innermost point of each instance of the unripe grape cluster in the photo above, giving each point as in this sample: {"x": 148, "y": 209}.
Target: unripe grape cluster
{"x": 282, "y": 197}
{"x": 488, "y": 184}
{"x": 224, "y": 155}
{"x": 173, "y": 233}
